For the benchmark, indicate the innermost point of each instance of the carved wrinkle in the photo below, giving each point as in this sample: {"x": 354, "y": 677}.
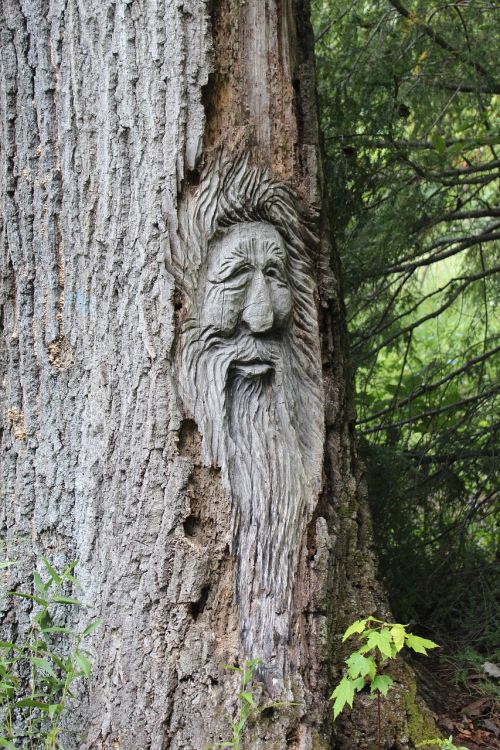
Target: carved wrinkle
{"x": 249, "y": 374}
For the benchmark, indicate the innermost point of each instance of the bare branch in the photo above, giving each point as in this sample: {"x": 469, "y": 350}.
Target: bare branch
{"x": 480, "y": 213}
{"x": 382, "y": 141}
{"x": 466, "y": 88}
{"x": 425, "y": 389}
{"x": 448, "y": 458}
{"x": 435, "y": 412}
{"x": 439, "y": 40}
{"x": 486, "y": 236}
{"x": 452, "y": 297}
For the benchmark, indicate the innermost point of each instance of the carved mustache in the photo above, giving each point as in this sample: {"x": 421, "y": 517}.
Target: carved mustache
{"x": 243, "y": 347}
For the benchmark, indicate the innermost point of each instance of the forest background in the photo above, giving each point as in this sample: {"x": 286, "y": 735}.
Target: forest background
{"x": 410, "y": 100}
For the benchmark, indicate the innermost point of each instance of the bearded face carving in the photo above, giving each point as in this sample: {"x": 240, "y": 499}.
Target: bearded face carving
{"x": 249, "y": 374}
{"x": 247, "y": 282}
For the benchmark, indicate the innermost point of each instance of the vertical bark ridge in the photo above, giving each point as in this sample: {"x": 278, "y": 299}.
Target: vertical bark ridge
{"x": 102, "y": 117}
{"x": 106, "y": 115}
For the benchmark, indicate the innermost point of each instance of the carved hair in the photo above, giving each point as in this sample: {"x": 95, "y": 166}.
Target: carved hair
{"x": 267, "y": 436}
{"x": 230, "y": 192}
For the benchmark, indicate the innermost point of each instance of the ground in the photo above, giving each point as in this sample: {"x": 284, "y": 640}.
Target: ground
{"x": 469, "y": 714}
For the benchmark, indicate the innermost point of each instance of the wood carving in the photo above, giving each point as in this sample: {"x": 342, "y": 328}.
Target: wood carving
{"x": 249, "y": 374}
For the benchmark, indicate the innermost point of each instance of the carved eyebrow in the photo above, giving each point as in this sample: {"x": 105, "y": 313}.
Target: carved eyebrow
{"x": 235, "y": 261}
{"x": 272, "y": 247}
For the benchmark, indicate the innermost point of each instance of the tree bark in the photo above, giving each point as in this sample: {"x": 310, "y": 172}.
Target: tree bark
{"x": 111, "y": 113}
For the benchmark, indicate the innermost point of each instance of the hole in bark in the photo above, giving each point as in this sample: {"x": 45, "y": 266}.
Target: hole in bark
{"x": 193, "y": 177}
{"x": 178, "y": 300}
{"x": 299, "y": 108}
{"x": 188, "y": 436}
{"x": 268, "y": 713}
{"x": 196, "y": 608}
{"x": 192, "y": 526}
{"x": 292, "y": 736}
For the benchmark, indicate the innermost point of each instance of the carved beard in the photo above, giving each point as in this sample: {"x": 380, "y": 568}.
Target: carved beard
{"x": 267, "y": 478}
{"x": 263, "y": 424}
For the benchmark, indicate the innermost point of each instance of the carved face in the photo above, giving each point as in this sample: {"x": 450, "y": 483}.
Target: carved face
{"x": 249, "y": 374}
{"x": 247, "y": 283}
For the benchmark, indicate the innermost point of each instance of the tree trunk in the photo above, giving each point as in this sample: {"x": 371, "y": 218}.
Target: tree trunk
{"x": 209, "y": 529}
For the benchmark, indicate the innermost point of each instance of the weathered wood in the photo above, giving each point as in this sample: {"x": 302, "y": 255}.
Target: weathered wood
{"x": 111, "y": 112}
{"x": 250, "y": 375}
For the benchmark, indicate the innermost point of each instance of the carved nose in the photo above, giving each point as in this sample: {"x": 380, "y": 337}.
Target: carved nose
{"x": 258, "y": 313}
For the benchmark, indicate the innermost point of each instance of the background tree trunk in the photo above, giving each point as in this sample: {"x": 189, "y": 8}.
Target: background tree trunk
{"x": 108, "y": 111}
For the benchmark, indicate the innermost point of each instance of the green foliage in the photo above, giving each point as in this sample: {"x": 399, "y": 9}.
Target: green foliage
{"x": 38, "y": 674}
{"x": 410, "y": 103}
{"x": 468, "y": 663}
{"x": 380, "y": 642}
{"x": 248, "y": 708}
{"x": 444, "y": 744}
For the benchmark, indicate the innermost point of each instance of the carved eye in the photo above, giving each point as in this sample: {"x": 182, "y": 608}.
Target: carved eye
{"x": 238, "y": 273}
{"x": 274, "y": 272}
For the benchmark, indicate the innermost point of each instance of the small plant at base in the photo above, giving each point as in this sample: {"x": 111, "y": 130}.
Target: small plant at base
{"x": 381, "y": 642}
{"x": 443, "y": 744}
{"x": 36, "y": 676}
{"x": 248, "y": 707}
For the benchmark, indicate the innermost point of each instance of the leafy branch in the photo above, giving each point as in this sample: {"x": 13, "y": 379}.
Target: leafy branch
{"x": 248, "y": 708}
{"x": 381, "y": 642}
{"x": 37, "y": 675}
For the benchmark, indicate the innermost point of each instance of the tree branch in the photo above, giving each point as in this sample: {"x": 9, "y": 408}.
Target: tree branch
{"x": 480, "y": 213}
{"x": 439, "y": 40}
{"x": 468, "y": 280}
{"x": 487, "y": 236}
{"x": 435, "y": 412}
{"x": 424, "y": 389}
{"x": 381, "y": 141}
{"x": 448, "y": 458}
{"x": 466, "y": 88}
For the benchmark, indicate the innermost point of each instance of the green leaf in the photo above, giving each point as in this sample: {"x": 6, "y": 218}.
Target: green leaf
{"x": 7, "y": 689}
{"x": 7, "y": 744}
{"x": 357, "y": 627}
{"x": 373, "y": 668}
{"x": 84, "y": 664}
{"x": 380, "y": 639}
{"x": 44, "y": 665}
{"x": 439, "y": 143}
{"x": 66, "y": 600}
{"x": 55, "y": 708}
{"x": 248, "y": 697}
{"x": 52, "y": 572}
{"x": 7, "y": 564}
{"x": 63, "y": 665}
{"x": 251, "y": 663}
{"x": 418, "y": 644}
{"x": 359, "y": 684}
{"x": 382, "y": 682}
{"x": 39, "y": 584}
{"x": 43, "y": 618}
{"x": 91, "y": 627}
{"x": 248, "y": 671}
{"x": 343, "y": 693}
{"x": 398, "y": 633}
{"x": 57, "y": 629}
{"x": 37, "y": 599}
{"x": 359, "y": 665}
{"x": 8, "y": 645}
{"x": 31, "y": 702}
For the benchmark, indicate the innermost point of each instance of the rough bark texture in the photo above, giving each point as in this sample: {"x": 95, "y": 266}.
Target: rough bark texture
{"x": 109, "y": 109}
